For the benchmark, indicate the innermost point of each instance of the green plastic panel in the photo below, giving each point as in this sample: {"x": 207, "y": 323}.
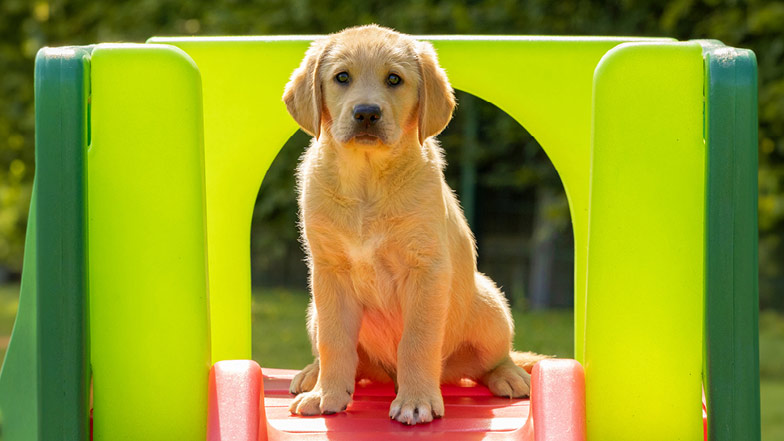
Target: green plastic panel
{"x": 149, "y": 314}
{"x": 732, "y": 299}
{"x": 246, "y": 124}
{"x": 643, "y": 338}
{"x": 44, "y": 390}
{"x": 63, "y": 88}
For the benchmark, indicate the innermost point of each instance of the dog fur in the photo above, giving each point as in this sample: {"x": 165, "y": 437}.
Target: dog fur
{"x": 396, "y": 295}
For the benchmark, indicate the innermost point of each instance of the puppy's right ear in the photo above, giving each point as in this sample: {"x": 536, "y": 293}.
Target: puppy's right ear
{"x": 303, "y": 91}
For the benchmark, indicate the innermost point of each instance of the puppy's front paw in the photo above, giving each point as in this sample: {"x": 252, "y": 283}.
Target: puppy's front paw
{"x": 318, "y": 402}
{"x": 417, "y": 407}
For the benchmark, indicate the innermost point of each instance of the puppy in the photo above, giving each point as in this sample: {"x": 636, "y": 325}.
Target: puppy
{"x": 396, "y": 295}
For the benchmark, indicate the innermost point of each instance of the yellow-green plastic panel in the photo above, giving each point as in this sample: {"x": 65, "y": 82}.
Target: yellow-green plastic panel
{"x": 543, "y": 82}
{"x": 245, "y": 125}
{"x": 644, "y": 313}
{"x": 147, "y": 265}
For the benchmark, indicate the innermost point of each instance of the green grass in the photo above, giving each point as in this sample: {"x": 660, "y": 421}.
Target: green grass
{"x": 280, "y": 340}
{"x": 771, "y": 342}
{"x": 546, "y": 332}
{"x": 772, "y": 398}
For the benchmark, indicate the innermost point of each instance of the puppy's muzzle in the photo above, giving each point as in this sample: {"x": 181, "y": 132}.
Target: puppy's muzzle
{"x": 366, "y": 128}
{"x": 366, "y": 115}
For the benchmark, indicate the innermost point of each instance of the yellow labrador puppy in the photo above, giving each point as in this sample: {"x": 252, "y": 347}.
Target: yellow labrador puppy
{"x": 396, "y": 295}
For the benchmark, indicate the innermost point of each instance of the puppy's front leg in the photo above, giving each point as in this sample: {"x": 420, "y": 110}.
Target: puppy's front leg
{"x": 419, "y": 359}
{"x": 338, "y": 319}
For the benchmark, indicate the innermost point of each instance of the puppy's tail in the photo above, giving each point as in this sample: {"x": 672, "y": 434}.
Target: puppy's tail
{"x": 527, "y": 360}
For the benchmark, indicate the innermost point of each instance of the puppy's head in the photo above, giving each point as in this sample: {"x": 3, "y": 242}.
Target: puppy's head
{"x": 369, "y": 86}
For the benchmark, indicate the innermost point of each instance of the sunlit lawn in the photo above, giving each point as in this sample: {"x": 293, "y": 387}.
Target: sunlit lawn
{"x": 772, "y": 397}
{"x": 280, "y": 340}
{"x": 772, "y": 373}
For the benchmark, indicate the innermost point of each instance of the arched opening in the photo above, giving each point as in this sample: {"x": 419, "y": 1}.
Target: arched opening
{"x": 515, "y": 203}
{"x": 513, "y": 199}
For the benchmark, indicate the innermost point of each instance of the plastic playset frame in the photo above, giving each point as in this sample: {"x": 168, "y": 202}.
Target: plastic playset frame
{"x": 148, "y": 161}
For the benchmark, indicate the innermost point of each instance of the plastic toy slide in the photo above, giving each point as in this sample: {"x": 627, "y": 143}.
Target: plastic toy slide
{"x": 149, "y": 158}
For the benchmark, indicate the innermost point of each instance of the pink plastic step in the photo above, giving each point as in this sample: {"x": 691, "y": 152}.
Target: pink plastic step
{"x": 558, "y": 395}
{"x": 472, "y": 412}
{"x": 236, "y": 412}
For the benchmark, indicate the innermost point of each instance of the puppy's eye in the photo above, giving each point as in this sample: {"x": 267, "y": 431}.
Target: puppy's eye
{"x": 394, "y": 80}
{"x": 342, "y": 78}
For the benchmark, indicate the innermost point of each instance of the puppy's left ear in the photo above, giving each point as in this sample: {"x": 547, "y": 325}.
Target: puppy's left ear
{"x": 303, "y": 91}
{"x": 436, "y": 97}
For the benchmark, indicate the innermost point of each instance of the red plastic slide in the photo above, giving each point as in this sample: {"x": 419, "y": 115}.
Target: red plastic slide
{"x": 556, "y": 410}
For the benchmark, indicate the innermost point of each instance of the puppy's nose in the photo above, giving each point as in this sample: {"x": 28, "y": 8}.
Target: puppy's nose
{"x": 367, "y": 113}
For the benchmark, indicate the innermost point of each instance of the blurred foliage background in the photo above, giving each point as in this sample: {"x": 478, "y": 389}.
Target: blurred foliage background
{"x": 510, "y": 191}
{"x": 526, "y": 248}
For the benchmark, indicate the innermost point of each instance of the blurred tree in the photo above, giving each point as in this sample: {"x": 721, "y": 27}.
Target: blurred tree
{"x": 276, "y": 256}
{"x": 27, "y": 25}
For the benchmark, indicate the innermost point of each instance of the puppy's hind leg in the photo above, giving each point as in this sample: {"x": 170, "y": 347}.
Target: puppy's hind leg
{"x": 512, "y": 377}
{"x": 527, "y": 360}
{"x": 305, "y": 379}
{"x": 493, "y": 341}
{"x": 508, "y": 380}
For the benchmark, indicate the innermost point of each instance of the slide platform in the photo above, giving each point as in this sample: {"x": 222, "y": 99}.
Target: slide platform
{"x": 557, "y": 407}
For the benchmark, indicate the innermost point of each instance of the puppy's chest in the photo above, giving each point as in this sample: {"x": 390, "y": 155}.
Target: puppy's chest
{"x": 368, "y": 242}
{"x": 363, "y": 230}
{"x": 364, "y": 248}
{"x": 364, "y": 235}
{"x": 373, "y": 255}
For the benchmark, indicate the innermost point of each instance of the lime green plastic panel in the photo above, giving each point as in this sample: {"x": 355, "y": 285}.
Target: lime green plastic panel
{"x": 149, "y": 313}
{"x": 551, "y": 99}
{"x": 644, "y": 313}
{"x": 246, "y": 124}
